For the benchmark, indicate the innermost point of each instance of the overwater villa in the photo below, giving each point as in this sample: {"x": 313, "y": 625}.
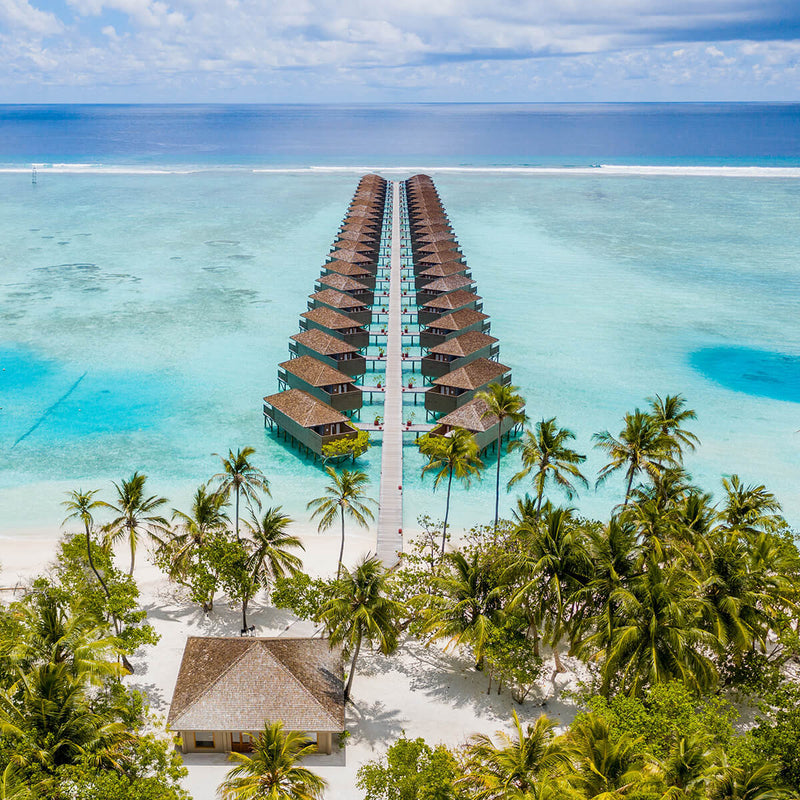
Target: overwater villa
{"x": 362, "y": 273}
{"x": 441, "y": 286}
{"x": 450, "y": 325}
{"x": 342, "y": 283}
{"x": 424, "y": 261}
{"x": 228, "y": 688}
{"x": 357, "y": 310}
{"x": 360, "y": 234}
{"x": 431, "y": 273}
{"x": 320, "y": 380}
{"x": 336, "y": 324}
{"x": 330, "y": 350}
{"x": 473, "y": 417}
{"x": 432, "y": 310}
{"x": 456, "y": 388}
{"x": 360, "y": 246}
{"x": 353, "y": 257}
{"x": 458, "y": 351}
{"x": 309, "y": 421}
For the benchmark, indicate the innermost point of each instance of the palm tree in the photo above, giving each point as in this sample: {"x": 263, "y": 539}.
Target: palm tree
{"x": 545, "y": 451}
{"x": 504, "y": 403}
{"x": 344, "y": 496}
{"x": 751, "y": 508}
{"x": 517, "y": 765}
{"x": 641, "y": 447}
{"x": 241, "y": 477}
{"x": 272, "y": 771}
{"x": 750, "y": 783}
{"x": 361, "y": 610}
{"x": 135, "y": 514}
{"x": 270, "y": 558}
{"x": 670, "y": 413}
{"x": 454, "y": 456}
{"x": 688, "y": 767}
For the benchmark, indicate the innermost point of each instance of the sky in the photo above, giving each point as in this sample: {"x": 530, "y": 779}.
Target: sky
{"x": 281, "y": 51}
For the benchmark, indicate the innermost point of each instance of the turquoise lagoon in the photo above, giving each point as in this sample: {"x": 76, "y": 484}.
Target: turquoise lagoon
{"x": 142, "y": 317}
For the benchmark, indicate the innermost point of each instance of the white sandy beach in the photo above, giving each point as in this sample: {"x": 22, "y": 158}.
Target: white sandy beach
{"x": 420, "y": 691}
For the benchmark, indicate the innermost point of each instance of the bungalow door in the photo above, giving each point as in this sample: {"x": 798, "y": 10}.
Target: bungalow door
{"x": 241, "y": 742}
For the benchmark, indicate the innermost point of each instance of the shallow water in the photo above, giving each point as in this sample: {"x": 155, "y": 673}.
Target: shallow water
{"x": 143, "y": 317}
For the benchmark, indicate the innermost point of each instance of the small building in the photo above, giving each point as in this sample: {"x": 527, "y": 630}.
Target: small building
{"x": 330, "y": 350}
{"x": 358, "y": 272}
{"x": 320, "y": 380}
{"x": 357, "y": 246}
{"x": 458, "y": 351}
{"x": 353, "y": 257}
{"x": 360, "y": 234}
{"x": 336, "y": 324}
{"x": 451, "y": 325}
{"x": 423, "y": 261}
{"x": 306, "y": 419}
{"x": 228, "y": 688}
{"x": 458, "y": 387}
{"x": 342, "y": 283}
{"x": 442, "y": 286}
{"x": 472, "y": 417}
{"x": 432, "y": 310}
{"x": 437, "y": 271}
{"x": 343, "y": 302}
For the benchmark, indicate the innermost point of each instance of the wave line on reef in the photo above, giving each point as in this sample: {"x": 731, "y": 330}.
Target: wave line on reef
{"x": 50, "y": 410}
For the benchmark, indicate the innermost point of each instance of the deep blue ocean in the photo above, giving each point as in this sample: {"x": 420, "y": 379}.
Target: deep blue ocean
{"x": 436, "y": 134}
{"x": 152, "y": 276}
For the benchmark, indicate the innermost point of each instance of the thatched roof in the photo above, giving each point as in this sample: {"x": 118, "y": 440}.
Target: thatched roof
{"x": 323, "y": 343}
{"x": 471, "y": 417}
{"x": 438, "y": 236}
{"x": 444, "y": 269}
{"x": 313, "y": 372}
{"x": 464, "y": 344}
{"x": 448, "y": 284}
{"x": 437, "y": 247}
{"x": 238, "y": 684}
{"x": 364, "y": 235}
{"x": 473, "y": 375}
{"x": 330, "y": 297}
{"x": 462, "y": 318}
{"x": 346, "y": 268}
{"x": 453, "y": 300}
{"x": 329, "y": 318}
{"x": 440, "y": 257}
{"x": 356, "y": 247}
{"x": 353, "y": 257}
{"x": 342, "y": 283}
{"x": 304, "y": 409}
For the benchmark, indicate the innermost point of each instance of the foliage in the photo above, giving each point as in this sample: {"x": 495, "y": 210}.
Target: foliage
{"x": 301, "y": 594}
{"x": 347, "y": 447}
{"x": 511, "y": 657}
{"x": 776, "y": 737}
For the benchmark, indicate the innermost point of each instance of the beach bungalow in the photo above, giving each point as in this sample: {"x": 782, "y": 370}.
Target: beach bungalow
{"x": 342, "y": 283}
{"x": 472, "y": 417}
{"x": 432, "y": 310}
{"x": 330, "y": 350}
{"x": 442, "y": 286}
{"x": 229, "y": 687}
{"x": 353, "y": 257}
{"x": 429, "y": 274}
{"x": 360, "y": 246}
{"x": 423, "y": 261}
{"x": 359, "y": 272}
{"x": 458, "y": 387}
{"x": 336, "y": 324}
{"x": 451, "y": 325}
{"x": 320, "y": 380}
{"x": 343, "y": 302}
{"x": 458, "y": 351}
{"x": 306, "y": 419}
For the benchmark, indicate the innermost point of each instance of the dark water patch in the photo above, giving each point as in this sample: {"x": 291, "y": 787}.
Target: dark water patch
{"x": 220, "y": 268}
{"x": 48, "y": 237}
{"x": 34, "y": 230}
{"x": 241, "y": 257}
{"x": 761, "y": 373}
{"x": 222, "y": 243}
{"x": 176, "y": 258}
{"x": 63, "y": 242}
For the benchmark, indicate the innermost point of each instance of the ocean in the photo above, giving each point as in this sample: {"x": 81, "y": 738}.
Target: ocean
{"x": 153, "y": 273}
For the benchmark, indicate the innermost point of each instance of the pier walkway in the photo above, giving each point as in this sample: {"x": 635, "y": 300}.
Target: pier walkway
{"x": 390, "y": 508}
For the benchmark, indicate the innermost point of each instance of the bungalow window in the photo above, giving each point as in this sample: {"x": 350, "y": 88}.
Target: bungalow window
{"x": 344, "y": 356}
{"x": 438, "y": 331}
{"x": 450, "y": 391}
{"x": 441, "y": 357}
{"x": 204, "y": 739}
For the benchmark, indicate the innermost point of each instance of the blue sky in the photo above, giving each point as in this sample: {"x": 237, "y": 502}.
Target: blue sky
{"x": 398, "y": 50}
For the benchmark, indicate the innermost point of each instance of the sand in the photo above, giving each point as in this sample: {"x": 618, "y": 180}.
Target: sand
{"x": 418, "y": 691}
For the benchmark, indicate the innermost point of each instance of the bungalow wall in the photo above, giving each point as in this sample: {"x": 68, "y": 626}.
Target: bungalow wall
{"x": 430, "y": 339}
{"x": 348, "y": 400}
{"x": 433, "y": 368}
{"x": 359, "y": 338}
{"x": 306, "y": 436}
{"x": 353, "y": 366}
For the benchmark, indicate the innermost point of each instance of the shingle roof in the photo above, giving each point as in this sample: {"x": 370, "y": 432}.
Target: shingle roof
{"x": 440, "y": 257}
{"x": 323, "y": 343}
{"x": 459, "y": 319}
{"x": 363, "y": 235}
{"x": 330, "y": 297}
{"x": 304, "y": 409}
{"x": 342, "y": 283}
{"x": 350, "y": 245}
{"x": 436, "y": 236}
{"x": 238, "y": 684}
{"x": 447, "y": 268}
{"x": 329, "y": 318}
{"x": 470, "y": 417}
{"x": 464, "y": 344}
{"x": 453, "y": 300}
{"x": 353, "y": 257}
{"x": 473, "y": 375}
{"x": 313, "y": 372}
{"x": 448, "y": 283}
{"x": 346, "y": 268}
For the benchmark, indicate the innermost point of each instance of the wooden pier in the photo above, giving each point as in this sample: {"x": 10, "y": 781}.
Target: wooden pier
{"x": 390, "y": 507}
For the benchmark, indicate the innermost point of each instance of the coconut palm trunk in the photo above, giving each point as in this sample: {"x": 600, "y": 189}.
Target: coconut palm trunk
{"x": 447, "y": 509}
{"x": 245, "y": 602}
{"x": 352, "y": 669}
{"x": 237, "y": 512}
{"x": 341, "y": 546}
{"x": 497, "y": 482}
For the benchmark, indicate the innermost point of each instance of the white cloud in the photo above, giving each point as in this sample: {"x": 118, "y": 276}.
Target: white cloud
{"x": 20, "y": 14}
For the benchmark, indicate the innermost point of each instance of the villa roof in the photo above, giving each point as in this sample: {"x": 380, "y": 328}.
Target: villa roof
{"x": 235, "y": 683}
{"x": 329, "y": 318}
{"x": 357, "y": 246}
{"x": 313, "y": 372}
{"x": 448, "y": 283}
{"x": 444, "y": 269}
{"x": 473, "y": 375}
{"x": 353, "y": 257}
{"x": 438, "y": 247}
{"x": 458, "y": 320}
{"x": 437, "y": 236}
{"x": 471, "y": 417}
{"x": 360, "y": 235}
{"x": 323, "y": 343}
{"x": 342, "y": 283}
{"x": 331, "y": 297}
{"x": 346, "y": 268}
{"x": 454, "y": 300}
{"x": 464, "y": 344}
{"x": 304, "y": 409}
{"x": 439, "y": 257}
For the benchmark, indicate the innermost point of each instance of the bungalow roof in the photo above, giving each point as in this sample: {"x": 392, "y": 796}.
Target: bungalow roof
{"x": 473, "y": 375}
